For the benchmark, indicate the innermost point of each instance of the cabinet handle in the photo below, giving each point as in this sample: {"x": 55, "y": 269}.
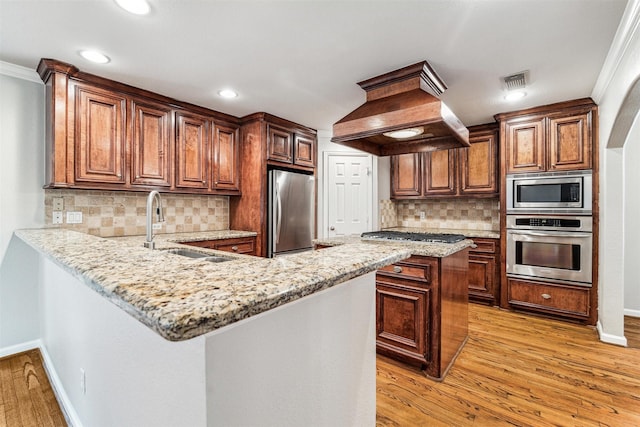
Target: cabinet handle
{"x": 546, "y": 296}
{"x": 397, "y": 269}
{"x": 234, "y": 248}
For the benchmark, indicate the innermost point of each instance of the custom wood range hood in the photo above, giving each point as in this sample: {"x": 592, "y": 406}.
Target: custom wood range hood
{"x": 402, "y": 114}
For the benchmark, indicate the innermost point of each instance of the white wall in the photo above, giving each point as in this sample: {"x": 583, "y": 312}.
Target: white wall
{"x": 631, "y": 223}
{"x": 21, "y": 195}
{"x": 621, "y": 69}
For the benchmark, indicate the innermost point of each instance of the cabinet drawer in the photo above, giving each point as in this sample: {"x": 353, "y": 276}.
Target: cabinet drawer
{"x": 408, "y": 270}
{"x": 560, "y": 299}
{"x": 239, "y": 247}
{"x": 484, "y": 245}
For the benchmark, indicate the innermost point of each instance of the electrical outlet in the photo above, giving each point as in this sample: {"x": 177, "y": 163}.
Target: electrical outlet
{"x": 58, "y": 204}
{"x": 422, "y": 215}
{"x": 57, "y": 218}
{"x": 83, "y": 381}
{"x": 157, "y": 226}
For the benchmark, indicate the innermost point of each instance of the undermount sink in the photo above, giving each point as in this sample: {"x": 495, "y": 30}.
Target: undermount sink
{"x": 193, "y": 254}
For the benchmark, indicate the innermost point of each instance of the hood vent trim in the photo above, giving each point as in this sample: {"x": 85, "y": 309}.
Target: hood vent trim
{"x": 402, "y": 99}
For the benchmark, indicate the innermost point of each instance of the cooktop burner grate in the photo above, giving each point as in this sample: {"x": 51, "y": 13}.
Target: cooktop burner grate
{"x": 414, "y": 237}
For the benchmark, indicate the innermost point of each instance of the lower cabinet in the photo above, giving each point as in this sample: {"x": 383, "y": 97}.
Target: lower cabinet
{"x": 484, "y": 272}
{"x": 421, "y": 311}
{"x": 550, "y": 298}
{"x": 238, "y": 245}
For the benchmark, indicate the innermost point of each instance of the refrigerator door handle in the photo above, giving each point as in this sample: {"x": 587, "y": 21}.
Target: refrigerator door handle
{"x": 278, "y": 218}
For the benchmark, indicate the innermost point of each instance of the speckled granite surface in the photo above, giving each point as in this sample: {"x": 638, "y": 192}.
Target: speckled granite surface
{"x": 489, "y": 234}
{"x": 438, "y": 250}
{"x": 181, "y": 298}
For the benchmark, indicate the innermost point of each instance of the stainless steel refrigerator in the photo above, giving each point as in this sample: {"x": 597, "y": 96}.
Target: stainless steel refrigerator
{"x": 291, "y": 212}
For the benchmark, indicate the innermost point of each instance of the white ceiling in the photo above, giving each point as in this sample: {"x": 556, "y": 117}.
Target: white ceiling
{"x": 301, "y": 60}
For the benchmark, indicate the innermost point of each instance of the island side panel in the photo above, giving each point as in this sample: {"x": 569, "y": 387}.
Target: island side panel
{"x": 454, "y": 294}
{"x": 133, "y": 376}
{"x": 309, "y": 362}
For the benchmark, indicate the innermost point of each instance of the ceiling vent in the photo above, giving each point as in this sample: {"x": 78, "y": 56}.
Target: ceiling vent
{"x": 516, "y": 81}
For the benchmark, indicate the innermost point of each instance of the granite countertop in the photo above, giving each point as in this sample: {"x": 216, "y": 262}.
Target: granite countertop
{"x": 489, "y": 234}
{"x": 438, "y": 250}
{"x": 181, "y": 298}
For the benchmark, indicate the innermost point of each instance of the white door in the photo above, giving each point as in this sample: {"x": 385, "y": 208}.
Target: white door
{"x": 349, "y": 195}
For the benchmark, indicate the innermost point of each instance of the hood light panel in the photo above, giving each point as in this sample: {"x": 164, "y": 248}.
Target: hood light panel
{"x": 405, "y": 133}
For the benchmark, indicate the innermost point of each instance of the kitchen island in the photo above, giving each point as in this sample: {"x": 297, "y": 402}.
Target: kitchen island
{"x": 421, "y": 302}
{"x": 249, "y": 341}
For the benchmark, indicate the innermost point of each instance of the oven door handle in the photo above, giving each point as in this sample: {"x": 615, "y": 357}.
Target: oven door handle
{"x": 552, "y": 234}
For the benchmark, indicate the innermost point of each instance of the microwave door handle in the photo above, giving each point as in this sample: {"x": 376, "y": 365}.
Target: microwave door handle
{"x": 553, "y": 234}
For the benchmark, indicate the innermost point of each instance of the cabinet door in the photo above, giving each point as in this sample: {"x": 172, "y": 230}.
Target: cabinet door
{"x": 482, "y": 273}
{"x": 226, "y": 163}
{"x": 151, "y": 145}
{"x": 570, "y": 142}
{"x": 304, "y": 150}
{"x": 100, "y": 136}
{"x": 525, "y": 150}
{"x": 406, "y": 179}
{"x": 192, "y": 150}
{"x": 479, "y": 165}
{"x": 440, "y": 173}
{"x": 402, "y": 321}
{"x": 279, "y": 146}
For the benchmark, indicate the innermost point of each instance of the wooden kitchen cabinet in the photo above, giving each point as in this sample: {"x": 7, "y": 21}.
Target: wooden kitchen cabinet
{"x": 421, "y": 311}
{"x": 105, "y": 135}
{"x": 291, "y": 146}
{"x": 151, "y": 147}
{"x": 549, "y": 138}
{"x": 484, "y": 273}
{"x": 466, "y": 172}
{"x": 100, "y": 135}
{"x": 193, "y": 146}
{"x": 238, "y": 245}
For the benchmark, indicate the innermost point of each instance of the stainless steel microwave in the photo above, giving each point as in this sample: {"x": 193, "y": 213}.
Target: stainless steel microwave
{"x": 550, "y": 192}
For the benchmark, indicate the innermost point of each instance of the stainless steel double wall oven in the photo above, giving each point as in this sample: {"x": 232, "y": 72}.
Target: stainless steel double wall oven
{"x": 549, "y": 227}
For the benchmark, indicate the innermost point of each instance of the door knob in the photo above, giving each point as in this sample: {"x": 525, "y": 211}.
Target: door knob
{"x": 332, "y": 228}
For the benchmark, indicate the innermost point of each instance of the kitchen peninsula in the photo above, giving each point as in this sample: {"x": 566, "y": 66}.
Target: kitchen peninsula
{"x": 421, "y": 301}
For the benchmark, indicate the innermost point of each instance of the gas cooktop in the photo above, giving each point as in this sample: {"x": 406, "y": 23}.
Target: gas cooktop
{"x": 413, "y": 237}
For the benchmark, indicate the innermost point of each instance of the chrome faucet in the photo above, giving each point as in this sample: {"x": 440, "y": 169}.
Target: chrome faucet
{"x": 154, "y": 195}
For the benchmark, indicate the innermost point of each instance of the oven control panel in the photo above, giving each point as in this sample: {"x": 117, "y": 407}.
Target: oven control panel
{"x": 548, "y": 222}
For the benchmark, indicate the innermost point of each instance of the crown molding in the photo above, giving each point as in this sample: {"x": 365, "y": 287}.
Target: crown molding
{"x": 24, "y": 73}
{"x": 626, "y": 30}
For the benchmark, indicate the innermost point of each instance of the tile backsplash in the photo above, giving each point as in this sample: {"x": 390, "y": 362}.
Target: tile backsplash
{"x": 118, "y": 213}
{"x": 464, "y": 214}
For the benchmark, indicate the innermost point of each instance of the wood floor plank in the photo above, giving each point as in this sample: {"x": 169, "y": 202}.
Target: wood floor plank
{"x": 27, "y": 397}
{"x": 519, "y": 370}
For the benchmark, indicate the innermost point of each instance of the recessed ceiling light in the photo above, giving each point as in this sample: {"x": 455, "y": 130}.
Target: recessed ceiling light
{"x": 138, "y": 7}
{"x": 404, "y": 133}
{"x": 228, "y": 93}
{"x": 94, "y": 56}
{"x": 515, "y": 95}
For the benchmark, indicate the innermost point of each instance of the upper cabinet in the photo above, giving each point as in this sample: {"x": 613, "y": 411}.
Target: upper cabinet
{"x": 105, "y": 135}
{"x": 291, "y": 146}
{"x": 557, "y": 137}
{"x": 462, "y": 172}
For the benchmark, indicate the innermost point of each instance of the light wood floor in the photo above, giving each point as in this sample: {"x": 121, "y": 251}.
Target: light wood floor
{"x": 27, "y": 397}
{"x": 518, "y": 370}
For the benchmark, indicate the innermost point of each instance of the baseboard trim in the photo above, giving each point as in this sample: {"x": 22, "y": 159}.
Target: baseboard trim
{"x": 609, "y": 338}
{"x": 631, "y": 313}
{"x": 63, "y": 399}
{"x": 19, "y": 348}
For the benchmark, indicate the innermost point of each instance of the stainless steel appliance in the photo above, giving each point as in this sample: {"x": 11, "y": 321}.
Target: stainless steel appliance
{"x": 550, "y": 192}
{"x": 291, "y": 212}
{"x": 556, "y": 248}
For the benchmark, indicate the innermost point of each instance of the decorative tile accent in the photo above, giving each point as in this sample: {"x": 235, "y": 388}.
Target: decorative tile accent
{"x": 118, "y": 213}
{"x": 388, "y": 214}
{"x": 463, "y": 214}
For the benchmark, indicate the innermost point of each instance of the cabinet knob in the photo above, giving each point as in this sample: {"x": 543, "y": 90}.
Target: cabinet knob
{"x": 234, "y": 248}
{"x": 137, "y": 176}
{"x": 204, "y": 182}
{"x": 397, "y": 269}
{"x": 546, "y": 296}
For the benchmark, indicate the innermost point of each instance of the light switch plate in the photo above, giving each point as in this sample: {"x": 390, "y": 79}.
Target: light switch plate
{"x": 58, "y": 204}
{"x": 422, "y": 215}
{"x": 74, "y": 217}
